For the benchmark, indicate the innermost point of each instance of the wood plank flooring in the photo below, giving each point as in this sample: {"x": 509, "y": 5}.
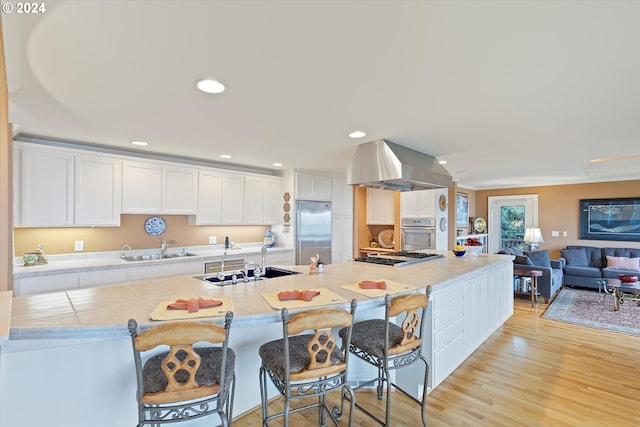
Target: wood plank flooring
{"x": 531, "y": 372}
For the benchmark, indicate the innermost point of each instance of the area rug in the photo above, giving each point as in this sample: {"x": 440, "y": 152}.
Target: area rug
{"x": 582, "y": 308}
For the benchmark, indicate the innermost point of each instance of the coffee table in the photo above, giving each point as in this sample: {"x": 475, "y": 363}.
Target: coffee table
{"x": 620, "y": 291}
{"x": 625, "y": 291}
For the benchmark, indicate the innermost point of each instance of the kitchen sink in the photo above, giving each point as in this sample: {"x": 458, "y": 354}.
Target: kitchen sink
{"x": 149, "y": 257}
{"x": 228, "y": 278}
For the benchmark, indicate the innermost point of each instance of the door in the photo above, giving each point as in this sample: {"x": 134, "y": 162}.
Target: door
{"x": 509, "y": 216}
{"x": 313, "y": 231}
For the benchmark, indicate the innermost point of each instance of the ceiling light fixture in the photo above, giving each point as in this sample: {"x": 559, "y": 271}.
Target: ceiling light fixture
{"x": 225, "y": 156}
{"x": 442, "y": 162}
{"x": 210, "y": 86}
{"x": 357, "y": 134}
{"x": 277, "y": 164}
{"x": 140, "y": 143}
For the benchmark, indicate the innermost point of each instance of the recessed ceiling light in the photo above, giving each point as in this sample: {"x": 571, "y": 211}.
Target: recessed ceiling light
{"x": 357, "y": 134}
{"x": 141, "y": 143}
{"x": 277, "y": 164}
{"x": 210, "y": 86}
{"x": 225, "y": 156}
{"x": 442, "y": 162}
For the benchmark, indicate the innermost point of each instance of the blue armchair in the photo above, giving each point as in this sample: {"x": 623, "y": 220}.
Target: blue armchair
{"x": 551, "y": 280}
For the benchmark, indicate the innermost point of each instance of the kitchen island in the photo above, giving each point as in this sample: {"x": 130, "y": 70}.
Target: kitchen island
{"x": 69, "y": 354}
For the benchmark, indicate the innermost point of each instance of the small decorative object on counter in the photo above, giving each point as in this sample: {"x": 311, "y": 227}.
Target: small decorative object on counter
{"x": 42, "y": 258}
{"x": 226, "y": 242}
{"x": 313, "y": 268}
{"x": 269, "y": 240}
{"x": 30, "y": 258}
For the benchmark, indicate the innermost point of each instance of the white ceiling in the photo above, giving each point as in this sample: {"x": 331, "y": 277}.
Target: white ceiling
{"x": 515, "y": 93}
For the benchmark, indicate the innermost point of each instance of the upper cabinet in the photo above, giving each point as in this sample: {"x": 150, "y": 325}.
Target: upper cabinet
{"x": 313, "y": 187}
{"x": 154, "y": 188}
{"x": 57, "y": 187}
{"x": 209, "y": 198}
{"x": 97, "y": 191}
{"x": 418, "y": 203}
{"x": 380, "y": 206}
{"x": 45, "y": 189}
{"x": 64, "y": 187}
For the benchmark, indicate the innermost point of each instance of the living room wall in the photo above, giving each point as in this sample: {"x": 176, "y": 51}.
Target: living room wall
{"x": 558, "y": 209}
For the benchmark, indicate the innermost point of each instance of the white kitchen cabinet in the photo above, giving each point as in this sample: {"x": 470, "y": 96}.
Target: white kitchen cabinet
{"x": 232, "y": 198}
{"x": 45, "y": 284}
{"x": 141, "y": 187}
{"x": 179, "y": 190}
{"x": 209, "y": 198}
{"x": 92, "y": 279}
{"x": 341, "y": 220}
{"x": 97, "y": 191}
{"x": 342, "y": 197}
{"x": 261, "y": 200}
{"x": 45, "y": 176}
{"x": 254, "y": 198}
{"x": 419, "y": 204}
{"x": 380, "y": 206}
{"x": 310, "y": 186}
{"x": 273, "y": 201}
{"x": 157, "y": 188}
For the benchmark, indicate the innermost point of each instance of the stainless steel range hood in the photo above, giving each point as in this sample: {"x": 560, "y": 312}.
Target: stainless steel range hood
{"x": 383, "y": 164}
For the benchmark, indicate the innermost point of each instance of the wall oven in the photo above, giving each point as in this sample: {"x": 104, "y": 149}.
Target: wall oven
{"x": 418, "y": 233}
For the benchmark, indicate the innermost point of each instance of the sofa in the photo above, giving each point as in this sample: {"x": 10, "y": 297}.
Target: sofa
{"x": 583, "y": 264}
{"x": 552, "y": 270}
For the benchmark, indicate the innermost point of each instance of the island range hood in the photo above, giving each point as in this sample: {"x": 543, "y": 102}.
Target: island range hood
{"x": 389, "y": 166}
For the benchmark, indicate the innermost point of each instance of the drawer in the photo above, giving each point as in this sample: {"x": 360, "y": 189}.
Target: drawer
{"x": 448, "y": 333}
{"x": 446, "y": 297}
{"x": 447, "y": 315}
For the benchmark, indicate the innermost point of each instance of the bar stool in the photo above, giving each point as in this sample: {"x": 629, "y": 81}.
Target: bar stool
{"x": 306, "y": 365}
{"x": 388, "y": 346}
{"x": 185, "y": 382}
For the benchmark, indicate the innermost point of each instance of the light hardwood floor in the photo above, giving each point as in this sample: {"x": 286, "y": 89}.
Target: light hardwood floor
{"x": 531, "y": 372}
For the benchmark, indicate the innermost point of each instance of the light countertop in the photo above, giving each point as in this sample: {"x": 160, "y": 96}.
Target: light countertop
{"x": 104, "y": 311}
{"x": 70, "y": 263}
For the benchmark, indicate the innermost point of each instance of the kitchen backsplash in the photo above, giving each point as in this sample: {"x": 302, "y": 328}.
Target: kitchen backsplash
{"x": 131, "y": 232}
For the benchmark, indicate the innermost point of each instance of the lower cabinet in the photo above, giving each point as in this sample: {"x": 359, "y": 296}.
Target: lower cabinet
{"x": 45, "y": 284}
{"x": 461, "y": 316}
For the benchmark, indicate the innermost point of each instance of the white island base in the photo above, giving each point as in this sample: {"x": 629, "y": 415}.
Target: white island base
{"x": 83, "y": 375}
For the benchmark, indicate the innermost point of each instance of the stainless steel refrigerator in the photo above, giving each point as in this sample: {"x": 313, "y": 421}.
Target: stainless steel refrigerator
{"x": 313, "y": 231}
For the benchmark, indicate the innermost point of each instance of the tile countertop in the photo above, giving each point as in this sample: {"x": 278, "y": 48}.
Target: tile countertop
{"x": 70, "y": 263}
{"x": 104, "y": 311}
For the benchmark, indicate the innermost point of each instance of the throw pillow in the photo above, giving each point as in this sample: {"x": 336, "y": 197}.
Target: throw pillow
{"x": 522, "y": 260}
{"x": 540, "y": 258}
{"x": 575, "y": 257}
{"x": 623, "y": 263}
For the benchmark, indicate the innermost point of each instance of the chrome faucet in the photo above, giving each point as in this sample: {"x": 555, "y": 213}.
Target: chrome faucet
{"x": 222, "y": 261}
{"x": 164, "y": 245}
{"x": 263, "y": 260}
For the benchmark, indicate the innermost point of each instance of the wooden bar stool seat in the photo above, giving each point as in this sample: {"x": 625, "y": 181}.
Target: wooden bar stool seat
{"x": 308, "y": 364}
{"x": 389, "y": 346}
{"x": 187, "y": 381}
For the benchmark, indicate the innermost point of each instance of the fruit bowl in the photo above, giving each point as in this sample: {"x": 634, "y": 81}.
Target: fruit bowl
{"x": 459, "y": 253}
{"x": 473, "y": 250}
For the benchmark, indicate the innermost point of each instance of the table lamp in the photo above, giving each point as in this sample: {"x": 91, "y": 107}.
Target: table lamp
{"x": 533, "y": 236}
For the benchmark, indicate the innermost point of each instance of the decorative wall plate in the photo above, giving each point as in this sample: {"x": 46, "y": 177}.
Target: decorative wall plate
{"x": 443, "y": 224}
{"x": 480, "y": 225}
{"x": 155, "y": 226}
{"x": 385, "y": 238}
{"x": 442, "y": 202}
